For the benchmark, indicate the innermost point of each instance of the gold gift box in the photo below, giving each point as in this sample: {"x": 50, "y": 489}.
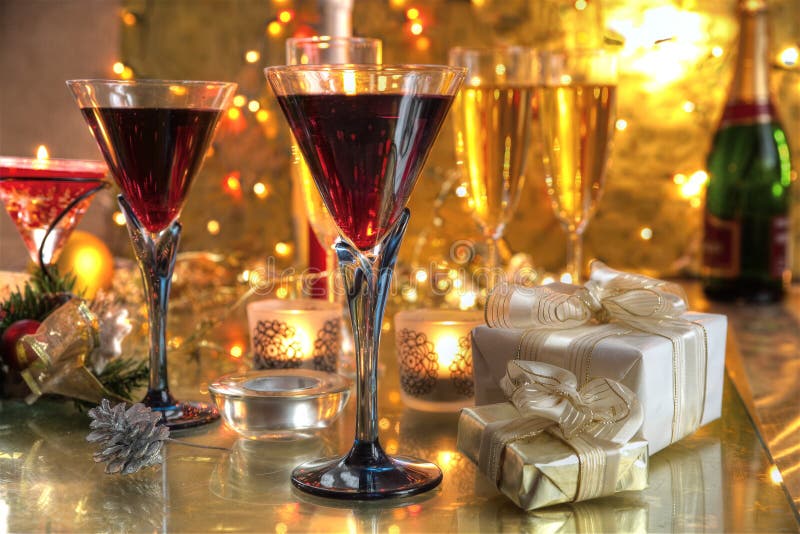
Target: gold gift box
{"x": 544, "y": 470}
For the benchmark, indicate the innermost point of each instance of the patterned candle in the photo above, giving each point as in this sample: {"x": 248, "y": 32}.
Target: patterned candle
{"x": 434, "y": 352}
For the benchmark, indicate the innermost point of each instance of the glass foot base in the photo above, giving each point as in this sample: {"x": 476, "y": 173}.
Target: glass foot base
{"x": 187, "y": 415}
{"x": 395, "y": 476}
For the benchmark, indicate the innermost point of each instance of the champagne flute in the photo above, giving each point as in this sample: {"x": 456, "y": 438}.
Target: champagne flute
{"x": 320, "y": 50}
{"x": 365, "y": 132}
{"x": 577, "y": 111}
{"x": 154, "y": 135}
{"x": 494, "y": 116}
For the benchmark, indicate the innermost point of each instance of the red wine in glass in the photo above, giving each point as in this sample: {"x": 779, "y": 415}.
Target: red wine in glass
{"x": 153, "y": 154}
{"x": 154, "y": 135}
{"x": 46, "y": 199}
{"x": 365, "y": 152}
{"x": 365, "y": 132}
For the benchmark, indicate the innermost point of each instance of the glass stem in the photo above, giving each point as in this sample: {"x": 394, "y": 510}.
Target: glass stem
{"x": 46, "y": 257}
{"x": 367, "y": 279}
{"x": 155, "y": 255}
{"x": 330, "y": 269}
{"x": 492, "y": 262}
{"x": 575, "y": 255}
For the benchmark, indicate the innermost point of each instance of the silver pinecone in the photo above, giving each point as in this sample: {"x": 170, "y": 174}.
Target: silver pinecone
{"x": 129, "y": 439}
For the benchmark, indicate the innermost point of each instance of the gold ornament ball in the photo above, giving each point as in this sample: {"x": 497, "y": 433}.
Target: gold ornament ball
{"x": 89, "y": 260}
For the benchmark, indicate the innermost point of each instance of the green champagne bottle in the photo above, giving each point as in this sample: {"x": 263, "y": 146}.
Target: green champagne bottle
{"x": 745, "y": 246}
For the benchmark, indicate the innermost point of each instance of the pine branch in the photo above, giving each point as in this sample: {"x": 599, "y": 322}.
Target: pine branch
{"x": 37, "y": 299}
{"x": 55, "y": 283}
{"x": 122, "y": 376}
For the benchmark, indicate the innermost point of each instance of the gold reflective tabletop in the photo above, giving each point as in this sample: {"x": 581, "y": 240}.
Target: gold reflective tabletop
{"x": 720, "y": 479}
{"x": 764, "y": 362}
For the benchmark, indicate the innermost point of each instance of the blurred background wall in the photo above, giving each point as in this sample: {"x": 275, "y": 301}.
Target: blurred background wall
{"x": 42, "y": 44}
{"x": 676, "y": 62}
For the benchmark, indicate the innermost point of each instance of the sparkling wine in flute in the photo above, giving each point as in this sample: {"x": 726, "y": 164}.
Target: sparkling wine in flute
{"x": 577, "y": 124}
{"x": 493, "y": 137}
{"x": 493, "y": 118}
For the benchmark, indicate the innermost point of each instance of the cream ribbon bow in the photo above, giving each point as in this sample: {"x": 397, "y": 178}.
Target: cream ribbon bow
{"x": 609, "y": 294}
{"x": 602, "y": 412}
{"x": 602, "y": 409}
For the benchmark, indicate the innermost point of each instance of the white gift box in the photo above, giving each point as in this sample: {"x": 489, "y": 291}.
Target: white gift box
{"x": 677, "y": 375}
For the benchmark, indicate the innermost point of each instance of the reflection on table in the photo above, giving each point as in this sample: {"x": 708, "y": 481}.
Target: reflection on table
{"x": 718, "y": 479}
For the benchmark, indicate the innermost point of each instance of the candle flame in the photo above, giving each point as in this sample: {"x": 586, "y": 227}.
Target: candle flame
{"x": 447, "y": 350}
{"x": 42, "y": 153}
{"x": 304, "y": 341}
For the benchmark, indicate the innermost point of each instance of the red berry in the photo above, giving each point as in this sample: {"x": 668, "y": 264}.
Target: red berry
{"x": 17, "y": 359}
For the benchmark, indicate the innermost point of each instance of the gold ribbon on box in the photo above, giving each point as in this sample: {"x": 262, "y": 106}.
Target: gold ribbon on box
{"x": 620, "y": 303}
{"x": 62, "y": 344}
{"x": 601, "y": 412}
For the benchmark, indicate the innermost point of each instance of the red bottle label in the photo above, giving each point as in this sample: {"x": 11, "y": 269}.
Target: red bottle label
{"x": 721, "y": 247}
{"x": 778, "y": 248}
{"x": 747, "y": 113}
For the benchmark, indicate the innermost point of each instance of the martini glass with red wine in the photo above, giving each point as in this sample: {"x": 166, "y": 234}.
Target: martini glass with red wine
{"x": 365, "y": 132}
{"x": 46, "y": 199}
{"x": 154, "y": 135}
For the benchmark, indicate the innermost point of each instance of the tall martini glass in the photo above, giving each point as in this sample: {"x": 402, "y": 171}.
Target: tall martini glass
{"x": 365, "y": 132}
{"x": 46, "y": 199}
{"x": 154, "y": 134}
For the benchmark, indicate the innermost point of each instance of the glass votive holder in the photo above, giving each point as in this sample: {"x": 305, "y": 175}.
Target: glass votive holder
{"x": 280, "y": 404}
{"x": 293, "y": 334}
{"x": 434, "y": 356}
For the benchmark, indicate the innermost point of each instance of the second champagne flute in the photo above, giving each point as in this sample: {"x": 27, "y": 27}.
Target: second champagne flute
{"x": 493, "y": 115}
{"x": 577, "y": 111}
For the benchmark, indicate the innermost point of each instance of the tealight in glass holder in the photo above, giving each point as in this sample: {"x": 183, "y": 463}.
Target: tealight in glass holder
{"x": 434, "y": 355}
{"x": 295, "y": 334}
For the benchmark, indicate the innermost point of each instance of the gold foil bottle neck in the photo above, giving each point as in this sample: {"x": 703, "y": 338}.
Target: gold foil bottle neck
{"x": 752, "y": 5}
{"x": 751, "y": 75}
